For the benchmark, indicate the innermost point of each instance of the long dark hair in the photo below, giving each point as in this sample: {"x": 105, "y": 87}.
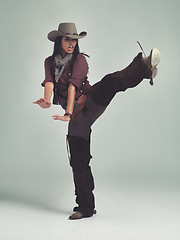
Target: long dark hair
{"x": 58, "y": 50}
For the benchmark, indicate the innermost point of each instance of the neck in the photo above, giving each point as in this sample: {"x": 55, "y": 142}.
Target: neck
{"x": 63, "y": 53}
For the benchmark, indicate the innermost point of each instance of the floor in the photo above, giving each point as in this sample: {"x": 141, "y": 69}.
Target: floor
{"x": 126, "y": 211}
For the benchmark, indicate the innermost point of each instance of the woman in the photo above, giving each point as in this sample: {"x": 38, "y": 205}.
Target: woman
{"x": 66, "y": 75}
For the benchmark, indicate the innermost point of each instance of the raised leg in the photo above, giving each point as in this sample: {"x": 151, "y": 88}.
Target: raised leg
{"x": 131, "y": 76}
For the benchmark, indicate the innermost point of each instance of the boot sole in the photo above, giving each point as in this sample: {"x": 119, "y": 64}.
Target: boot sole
{"x": 155, "y": 57}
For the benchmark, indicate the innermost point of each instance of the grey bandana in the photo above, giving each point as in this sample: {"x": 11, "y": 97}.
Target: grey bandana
{"x": 60, "y": 64}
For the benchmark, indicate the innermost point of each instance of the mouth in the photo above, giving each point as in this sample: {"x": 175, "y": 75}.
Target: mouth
{"x": 71, "y": 48}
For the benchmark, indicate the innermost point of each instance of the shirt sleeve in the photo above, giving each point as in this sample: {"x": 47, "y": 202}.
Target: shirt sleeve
{"x": 79, "y": 71}
{"x": 48, "y": 76}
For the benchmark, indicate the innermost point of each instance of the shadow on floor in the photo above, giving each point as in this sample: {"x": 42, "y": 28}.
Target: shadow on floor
{"x": 34, "y": 203}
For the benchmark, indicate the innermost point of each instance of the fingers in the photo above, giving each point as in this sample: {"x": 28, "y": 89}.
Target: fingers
{"x": 56, "y": 117}
{"x": 43, "y": 103}
{"x": 40, "y": 100}
{"x": 61, "y": 118}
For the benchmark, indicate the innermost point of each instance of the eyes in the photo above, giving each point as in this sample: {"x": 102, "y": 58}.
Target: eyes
{"x": 67, "y": 39}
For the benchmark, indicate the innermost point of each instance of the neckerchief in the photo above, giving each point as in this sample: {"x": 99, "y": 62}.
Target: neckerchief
{"x": 60, "y": 64}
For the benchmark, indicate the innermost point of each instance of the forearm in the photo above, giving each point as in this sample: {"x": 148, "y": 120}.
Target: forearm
{"x": 70, "y": 105}
{"x": 49, "y": 86}
{"x": 71, "y": 98}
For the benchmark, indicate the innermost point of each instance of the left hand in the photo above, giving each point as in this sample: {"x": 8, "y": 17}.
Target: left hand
{"x": 61, "y": 118}
{"x": 42, "y": 102}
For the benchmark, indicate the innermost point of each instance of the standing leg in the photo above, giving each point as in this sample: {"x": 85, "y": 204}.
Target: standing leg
{"x": 79, "y": 131}
{"x": 83, "y": 179}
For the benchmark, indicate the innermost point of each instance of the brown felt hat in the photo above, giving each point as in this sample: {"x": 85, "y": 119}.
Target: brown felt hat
{"x": 66, "y": 30}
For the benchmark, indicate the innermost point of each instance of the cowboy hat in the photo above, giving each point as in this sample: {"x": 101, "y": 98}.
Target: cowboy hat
{"x": 66, "y": 30}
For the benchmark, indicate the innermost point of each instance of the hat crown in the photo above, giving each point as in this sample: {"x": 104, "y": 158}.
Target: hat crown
{"x": 66, "y": 29}
{"x": 69, "y": 28}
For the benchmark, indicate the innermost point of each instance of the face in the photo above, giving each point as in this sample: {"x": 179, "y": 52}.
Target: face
{"x": 68, "y": 45}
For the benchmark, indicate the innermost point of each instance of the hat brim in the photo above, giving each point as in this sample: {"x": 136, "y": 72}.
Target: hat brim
{"x": 54, "y": 34}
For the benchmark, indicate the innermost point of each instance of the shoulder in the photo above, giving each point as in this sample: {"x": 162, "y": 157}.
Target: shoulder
{"x": 81, "y": 57}
{"x": 48, "y": 59}
{"x": 80, "y": 66}
{"x": 48, "y": 62}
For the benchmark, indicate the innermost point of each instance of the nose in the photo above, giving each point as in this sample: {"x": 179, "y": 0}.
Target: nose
{"x": 71, "y": 41}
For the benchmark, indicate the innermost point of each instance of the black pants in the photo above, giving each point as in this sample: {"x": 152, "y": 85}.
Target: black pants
{"x": 80, "y": 128}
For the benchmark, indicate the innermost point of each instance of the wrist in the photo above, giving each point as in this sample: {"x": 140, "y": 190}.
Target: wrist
{"x": 68, "y": 114}
{"x": 47, "y": 99}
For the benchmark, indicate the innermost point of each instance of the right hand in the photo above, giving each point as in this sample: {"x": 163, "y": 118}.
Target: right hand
{"x": 43, "y": 103}
{"x": 61, "y": 118}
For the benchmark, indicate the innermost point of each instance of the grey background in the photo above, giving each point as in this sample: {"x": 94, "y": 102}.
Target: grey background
{"x": 135, "y": 142}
